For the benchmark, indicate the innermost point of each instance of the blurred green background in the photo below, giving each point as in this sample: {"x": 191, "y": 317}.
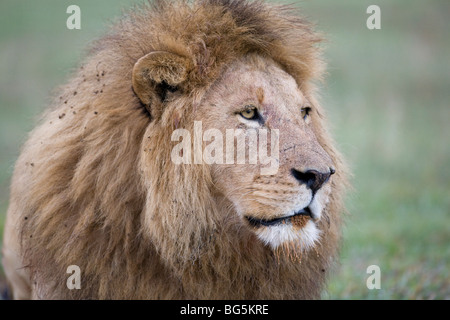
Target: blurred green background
{"x": 388, "y": 98}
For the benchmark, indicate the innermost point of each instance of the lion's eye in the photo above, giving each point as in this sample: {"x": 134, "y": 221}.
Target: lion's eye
{"x": 305, "y": 112}
{"x": 250, "y": 113}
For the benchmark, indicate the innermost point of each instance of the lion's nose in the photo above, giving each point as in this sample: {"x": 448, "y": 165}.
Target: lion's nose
{"x": 313, "y": 178}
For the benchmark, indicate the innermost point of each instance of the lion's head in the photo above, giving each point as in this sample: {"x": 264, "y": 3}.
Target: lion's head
{"x": 277, "y": 189}
{"x": 188, "y": 158}
{"x": 283, "y": 202}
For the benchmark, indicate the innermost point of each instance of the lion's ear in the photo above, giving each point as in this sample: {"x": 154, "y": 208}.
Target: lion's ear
{"x": 157, "y": 73}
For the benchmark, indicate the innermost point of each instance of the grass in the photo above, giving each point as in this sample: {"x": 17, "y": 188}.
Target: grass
{"x": 387, "y": 98}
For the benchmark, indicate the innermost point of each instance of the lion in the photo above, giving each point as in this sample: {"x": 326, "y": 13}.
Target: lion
{"x": 96, "y": 186}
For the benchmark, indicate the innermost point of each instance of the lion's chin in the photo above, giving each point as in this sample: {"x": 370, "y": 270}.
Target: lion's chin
{"x": 299, "y": 229}
{"x": 303, "y": 238}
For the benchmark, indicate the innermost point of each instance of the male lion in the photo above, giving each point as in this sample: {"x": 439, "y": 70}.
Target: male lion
{"x": 96, "y": 185}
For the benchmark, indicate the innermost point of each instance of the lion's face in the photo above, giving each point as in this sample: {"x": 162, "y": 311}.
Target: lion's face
{"x": 281, "y": 197}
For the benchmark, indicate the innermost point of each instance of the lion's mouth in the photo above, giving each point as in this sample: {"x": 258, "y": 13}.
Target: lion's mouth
{"x": 299, "y": 219}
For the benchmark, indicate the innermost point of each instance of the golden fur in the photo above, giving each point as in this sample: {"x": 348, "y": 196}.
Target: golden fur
{"x": 95, "y": 185}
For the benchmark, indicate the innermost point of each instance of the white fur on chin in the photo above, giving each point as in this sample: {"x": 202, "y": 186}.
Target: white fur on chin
{"x": 274, "y": 236}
